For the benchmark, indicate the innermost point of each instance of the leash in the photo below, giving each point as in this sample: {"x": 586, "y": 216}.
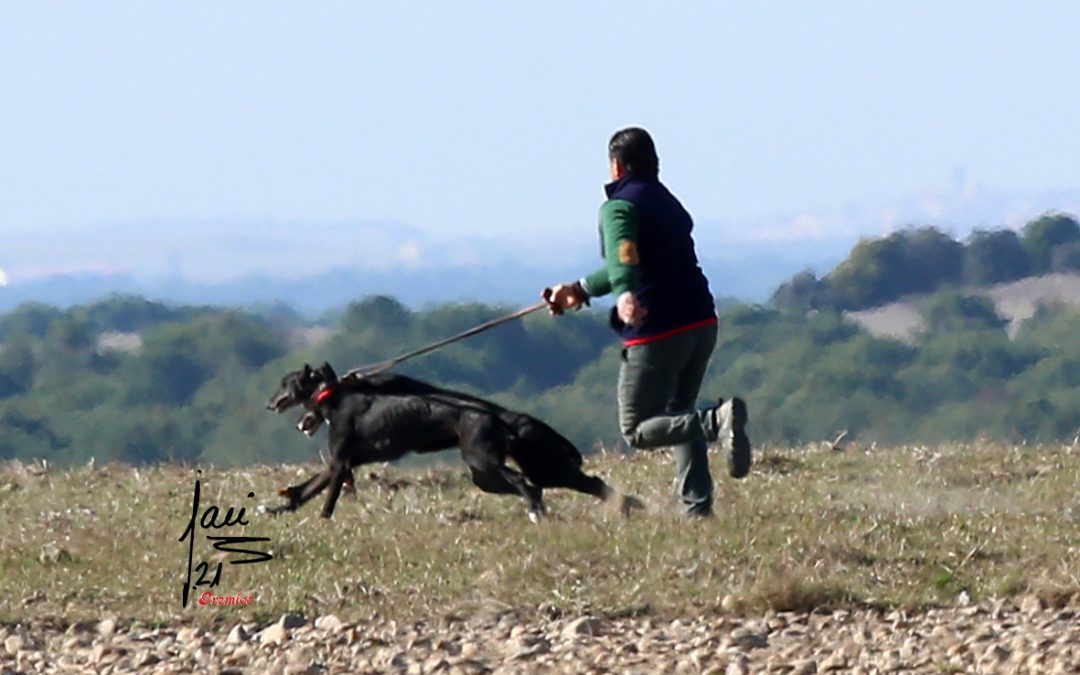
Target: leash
{"x": 364, "y": 371}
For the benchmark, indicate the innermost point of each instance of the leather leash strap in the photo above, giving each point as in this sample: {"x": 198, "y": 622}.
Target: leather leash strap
{"x": 364, "y": 371}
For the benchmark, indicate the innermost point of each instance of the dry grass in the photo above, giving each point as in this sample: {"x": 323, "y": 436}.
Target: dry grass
{"x": 899, "y": 527}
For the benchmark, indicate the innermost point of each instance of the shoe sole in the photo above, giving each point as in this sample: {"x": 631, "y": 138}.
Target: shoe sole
{"x": 740, "y": 458}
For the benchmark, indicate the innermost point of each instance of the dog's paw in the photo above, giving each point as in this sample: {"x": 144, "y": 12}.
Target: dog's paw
{"x": 291, "y": 492}
{"x": 275, "y": 511}
{"x": 535, "y": 516}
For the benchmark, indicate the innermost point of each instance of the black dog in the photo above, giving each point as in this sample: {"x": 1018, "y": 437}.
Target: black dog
{"x": 382, "y": 417}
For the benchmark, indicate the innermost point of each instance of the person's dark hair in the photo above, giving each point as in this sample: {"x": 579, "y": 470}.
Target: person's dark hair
{"x": 634, "y": 149}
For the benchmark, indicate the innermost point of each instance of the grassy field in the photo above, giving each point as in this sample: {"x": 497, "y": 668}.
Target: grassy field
{"x": 905, "y": 527}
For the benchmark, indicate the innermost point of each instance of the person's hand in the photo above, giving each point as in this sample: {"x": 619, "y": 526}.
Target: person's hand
{"x": 631, "y": 312}
{"x": 562, "y": 297}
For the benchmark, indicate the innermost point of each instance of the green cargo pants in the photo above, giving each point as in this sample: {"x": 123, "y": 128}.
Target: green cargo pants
{"x": 658, "y": 389}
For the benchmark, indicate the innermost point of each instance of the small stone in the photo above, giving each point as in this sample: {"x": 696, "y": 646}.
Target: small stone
{"x": 996, "y": 653}
{"x": 99, "y": 653}
{"x": 14, "y": 643}
{"x": 526, "y": 647}
{"x": 834, "y": 661}
{"x": 237, "y": 635}
{"x": 745, "y": 639}
{"x": 730, "y": 604}
{"x": 187, "y": 635}
{"x": 81, "y": 627}
{"x": 291, "y": 621}
{"x": 106, "y": 628}
{"x": 304, "y": 655}
{"x": 352, "y": 636}
{"x": 1031, "y": 604}
{"x": 435, "y": 663}
{"x": 145, "y": 658}
{"x": 469, "y": 650}
{"x": 329, "y": 623}
{"x": 804, "y": 667}
{"x": 585, "y": 625}
{"x": 851, "y": 649}
{"x": 274, "y": 635}
{"x": 739, "y": 666}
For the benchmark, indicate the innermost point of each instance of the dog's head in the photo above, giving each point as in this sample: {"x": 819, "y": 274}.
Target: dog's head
{"x": 299, "y": 386}
{"x": 310, "y": 423}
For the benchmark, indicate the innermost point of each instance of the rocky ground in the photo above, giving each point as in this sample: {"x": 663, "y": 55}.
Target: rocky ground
{"x": 1022, "y": 636}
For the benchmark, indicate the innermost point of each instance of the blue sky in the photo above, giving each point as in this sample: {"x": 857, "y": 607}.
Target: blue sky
{"x": 144, "y": 135}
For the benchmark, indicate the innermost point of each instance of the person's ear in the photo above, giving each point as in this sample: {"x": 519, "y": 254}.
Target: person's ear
{"x": 617, "y": 169}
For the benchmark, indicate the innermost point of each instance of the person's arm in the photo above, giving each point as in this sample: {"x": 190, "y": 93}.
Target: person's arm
{"x": 619, "y": 230}
{"x": 619, "y": 273}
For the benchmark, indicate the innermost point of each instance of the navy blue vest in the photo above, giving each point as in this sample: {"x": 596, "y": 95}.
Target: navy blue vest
{"x": 671, "y": 285}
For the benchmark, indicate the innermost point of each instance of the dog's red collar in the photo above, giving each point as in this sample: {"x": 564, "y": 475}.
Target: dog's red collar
{"x": 323, "y": 394}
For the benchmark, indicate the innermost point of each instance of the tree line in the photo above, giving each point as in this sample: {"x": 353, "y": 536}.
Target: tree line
{"x": 923, "y": 259}
{"x": 137, "y": 381}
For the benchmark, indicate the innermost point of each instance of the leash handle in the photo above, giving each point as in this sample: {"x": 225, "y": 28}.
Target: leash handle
{"x": 386, "y": 365}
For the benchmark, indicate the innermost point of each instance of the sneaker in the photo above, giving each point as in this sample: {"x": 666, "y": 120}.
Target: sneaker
{"x": 712, "y": 421}
{"x": 733, "y": 417}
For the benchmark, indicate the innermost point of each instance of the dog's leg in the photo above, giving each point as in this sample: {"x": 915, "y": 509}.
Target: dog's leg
{"x": 293, "y": 492}
{"x": 298, "y": 495}
{"x": 549, "y": 460}
{"x": 533, "y": 495}
{"x": 503, "y": 480}
{"x": 341, "y": 473}
{"x": 591, "y": 485}
{"x": 555, "y": 469}
{"x": 483, "y": 447}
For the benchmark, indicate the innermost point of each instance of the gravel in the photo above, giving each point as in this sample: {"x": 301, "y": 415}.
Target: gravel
{"x": 1007, "y": 636}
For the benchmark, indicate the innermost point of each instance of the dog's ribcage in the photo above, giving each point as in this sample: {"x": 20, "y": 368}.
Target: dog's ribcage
{"x": 398, "y": 424}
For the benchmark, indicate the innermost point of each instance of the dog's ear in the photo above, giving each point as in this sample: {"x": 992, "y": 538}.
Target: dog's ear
{"x": 307, "y": 371}
{"x": 329, "y": 376}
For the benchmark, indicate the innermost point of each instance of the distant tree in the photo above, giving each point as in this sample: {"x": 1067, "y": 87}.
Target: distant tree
{"x": 828, "y": 327}
{"x": 882, "y": 270}
{"x": 27, "y": 434}
{"x": 248, "y": 340}
{"x": 1066, "y": 258}
{"x": 130, "y": 313}
{"x": 931, "y": 259}
{"x": 379, "y": 312}
{"x": 993, "y": 257}
{"x": 952, "y": 311}
{"x": 16, "y": 366}
{"x": 69, "y": 343}
{"x": 1044, "y": 234}
{"x": 801, "y": 293}
{"x": 70, "y": 336}
{"x": 30, "y": 318}
{"x": 869, "y": 274}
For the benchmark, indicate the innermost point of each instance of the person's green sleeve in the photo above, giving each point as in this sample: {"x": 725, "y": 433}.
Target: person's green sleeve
{"x": 619, "y": 233}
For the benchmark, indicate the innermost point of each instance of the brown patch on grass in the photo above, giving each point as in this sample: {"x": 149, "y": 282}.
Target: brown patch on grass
{"x": 784, "y": 589}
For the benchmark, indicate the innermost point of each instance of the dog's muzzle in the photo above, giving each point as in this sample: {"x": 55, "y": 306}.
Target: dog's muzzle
{"x": 280, "y": 403}
{"x": 309, "y": 424}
